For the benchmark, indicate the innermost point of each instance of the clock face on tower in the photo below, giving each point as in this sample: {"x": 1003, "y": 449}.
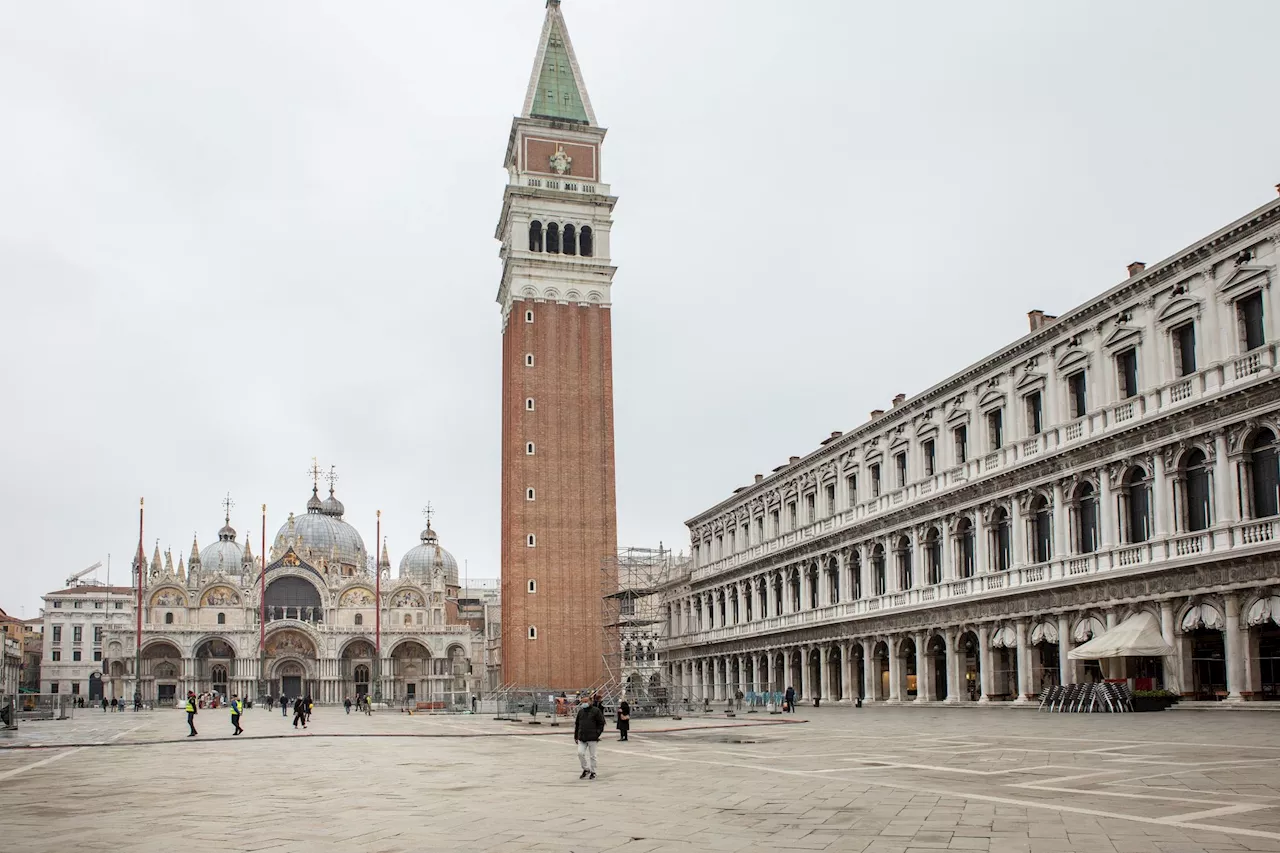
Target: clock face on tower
{"x": 560, "y": 162}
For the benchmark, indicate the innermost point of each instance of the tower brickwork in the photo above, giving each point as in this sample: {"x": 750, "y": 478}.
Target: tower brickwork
{"x": 559, "y": 518}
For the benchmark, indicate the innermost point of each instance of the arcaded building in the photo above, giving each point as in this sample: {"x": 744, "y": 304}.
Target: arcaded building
{"x": 1115, "y": 466}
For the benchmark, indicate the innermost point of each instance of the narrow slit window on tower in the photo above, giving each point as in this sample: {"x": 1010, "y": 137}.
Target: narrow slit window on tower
{"x": 528, "y": 360}
{"x": 535, "y": 236}
{"x": 570, "y": 240}
{"x": 528, "y": 404}
{"x": 529, "y": 494}
{"x": 528, "y": 316}
{"x": 528, "y": 448}
{"x": 553, "y": 238}
{"x": 585, "y": 246}
{"x": 533, "y": 633}
{"x": 531, "y": 541}
{"x": 533, "y": 585}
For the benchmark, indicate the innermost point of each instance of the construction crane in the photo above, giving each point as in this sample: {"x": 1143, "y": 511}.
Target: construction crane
{"x": 74, "y": 580}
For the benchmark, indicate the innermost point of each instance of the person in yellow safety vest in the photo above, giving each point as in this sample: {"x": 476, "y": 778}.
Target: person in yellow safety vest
{"x": 237, "y": 708}
{"x": 191, "y": 714}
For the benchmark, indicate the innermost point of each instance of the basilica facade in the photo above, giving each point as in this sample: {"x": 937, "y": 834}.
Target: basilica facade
{"x": 307, "y": 620}
{"x": 1114, "y": 468}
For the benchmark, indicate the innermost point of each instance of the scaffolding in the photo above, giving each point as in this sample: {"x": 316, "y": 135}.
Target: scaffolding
{"x": 634, "y": 624}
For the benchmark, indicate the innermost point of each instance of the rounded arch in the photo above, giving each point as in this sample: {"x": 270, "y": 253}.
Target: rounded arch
{"x": 1086, "y": 488}
{"x": 294, "y": 597}
{"x": 586, "y": 242}
{"x": 356, "y": 647}
{"x": 292, "y": 638}
{"x": 158, "y": 648}
{"x": 405, "y": 646}
{"x": 219, "y": 594}
{"x": 214, "y": 646}
{"x": 169, "y": 595}
{"x": 569, "y": 238}
{"x": 553, "y": 238}
{"x": 1202, "y": 613}
{"x": 458, "y": 647}
{"x": 1087, "y": 627}
{"x": 535, "y": 236}
{"x": 356, "y": 594}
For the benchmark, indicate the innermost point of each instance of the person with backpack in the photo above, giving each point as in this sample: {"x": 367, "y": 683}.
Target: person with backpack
{"x": 191, "y": 713}
{"x": 237, "y": 708}
{"x": 300, "y": 712}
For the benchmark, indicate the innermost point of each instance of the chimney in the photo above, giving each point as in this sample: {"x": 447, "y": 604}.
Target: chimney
{"x": 1278, "y": 189}
{"x": 1135, "y": 268}
{"x": 793, "y": 460}
{"x": 1035, "y": 319}
{"x": 759, "y": 477}
{"x": 835, "y": 433}
{"x": 897, "y": 399}
{"x": 875, "y": 413}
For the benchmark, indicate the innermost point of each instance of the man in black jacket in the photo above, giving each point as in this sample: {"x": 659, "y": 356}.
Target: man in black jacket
{"x": 587, "y": 728}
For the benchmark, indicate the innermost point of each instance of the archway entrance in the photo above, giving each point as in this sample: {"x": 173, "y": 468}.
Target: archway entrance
{"x": 858, "y": 672}
{"x": 161, "y": 669}
{"x": 1208, "y": 663}
{"x": 1267, "y": 637}
{"x": 357, "y": 667}
{"x": 970, "y": 666}
{"x": 214, "y": 661}
{"x": 411, "y": 669}
{"x": 880, "y": 671}
{"x": 936, "y": 653}
{"x": 291, "y": 657}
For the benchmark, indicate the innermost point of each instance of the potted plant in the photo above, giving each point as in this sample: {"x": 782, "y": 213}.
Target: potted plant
{"x": 1153, "y": 700}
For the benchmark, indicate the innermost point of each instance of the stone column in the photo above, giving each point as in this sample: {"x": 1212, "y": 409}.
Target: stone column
{"x": 804, "y": 588}
{"x": 846, "y": 673}
{"x": 824, "y": 677}
{"x": 1172, "y": 664}
{"x": 1224, "y": 507}
{"x": 982, "y": 534}
{"x": 1017, "y": 534}
{"x": 984, "y": 663}
{"x": 768, "y": 669}
{"x": 924, "y": 673}
{"x": 953, "y": 665}
{"x": 895, "y": 671}
{"x": 846, "y": 581}
{"x": 947, "y": 570}
{"x": 1106, "y": 511}
{"x": 1065, "y": 668}
{"x": 1061, "y": 527}
{"x": 1234, "y": 648}
{"x": 1160, "y": 525}
{"x": 868, "y": 671}
{"x": 1024, "y": 662}
{"x": 802, "y": 675}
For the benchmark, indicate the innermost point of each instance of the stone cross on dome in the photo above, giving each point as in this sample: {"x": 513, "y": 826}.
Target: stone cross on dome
{"x": 227, "y": 505}
{"x": 427, "y": 512}
{"x": 332, "y": 477}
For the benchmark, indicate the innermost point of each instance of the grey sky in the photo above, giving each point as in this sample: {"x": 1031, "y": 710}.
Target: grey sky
{"x": 237, "y": 235}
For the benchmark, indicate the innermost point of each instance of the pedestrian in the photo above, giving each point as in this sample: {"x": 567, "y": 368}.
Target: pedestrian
{"x": 237, "y": 708}
{"x": 789, "y": 700}
{"x": 624, "y": 719}
{"x": 368, "y": 705}
{"x": 475, "y": 703}
{"x": 191, "y": 713}
{"x": 300, "y": 712}
{"x": 137, "y": 702}
{"x": 114, "y": 705}
{"x": 104, "y": 704}
{"x": 346, "y": 703}
{"x": 271, "y": 703}
{"x": 310, "y": 706}
{"x": 587, "y": 728}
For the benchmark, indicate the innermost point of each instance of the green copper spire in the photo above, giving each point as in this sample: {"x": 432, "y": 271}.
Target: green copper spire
{"x": 556, "y": 89}
{"x": 557, "y": 95}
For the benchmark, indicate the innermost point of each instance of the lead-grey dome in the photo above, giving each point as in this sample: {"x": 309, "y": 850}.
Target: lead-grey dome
{"x": 225, "y": 555}
{"x": 321, "y": 534}
{"x": 421, "y": 561}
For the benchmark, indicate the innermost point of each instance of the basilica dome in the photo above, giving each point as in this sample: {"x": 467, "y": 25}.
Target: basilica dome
{"x": 422, "y": 561}
{"x": 225, "y": 555}
{"x": 322, "y": 536}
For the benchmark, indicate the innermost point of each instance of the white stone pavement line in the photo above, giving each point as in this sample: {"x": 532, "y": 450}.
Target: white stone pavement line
{"x": 1199, "y": 768}
{"x": 1225, "y": 810}
{"x": 1232, "y": 793}
{"x": 9, "y": 774}
{"x": 968, "y": 795}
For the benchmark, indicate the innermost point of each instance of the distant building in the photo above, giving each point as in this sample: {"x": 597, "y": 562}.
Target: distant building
{"x": 76, "y": 621}
{"x": 32, "y": 652}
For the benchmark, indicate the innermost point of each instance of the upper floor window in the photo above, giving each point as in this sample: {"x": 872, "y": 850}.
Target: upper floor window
{"x": 851, "y": 487}
{"x": 878, "y": 579}
{"x": 831, "y": 498}
{"x": 900, "y": 467}
{"x": 875, "y": 480}
{"x": 792, "y": 520}
{"x": 927, "y": 453}
{"x": 906, "y": 573}
{"x": 965, "y": 548}
{"x": 528, "y": 316}
{"x": 961, "y": 437}
{"x": 1249, "y": 318}
{"x": 810, "y": 510}
{"x": 1194, "y": 478}
{"x": 222, "y": 618}
{"x": 1086, "y": 518}
{"x": 1042, "y": 530}
{"x": 1077, "y": 402}
{"x": 359, "y": 618}
{"x": 995, "y": 429}
{"x": 1135, "y": 502}
{"x": 55, "y": 656}
{"x": 533, "y": 586}
{"x": 57, "y": 633}
{"x": 168, "y": 619}
{"x": 528, "y": 359}
{"x": 528, "y": 404}
{"x": 774, "y": 523}
{"x": 97, "y": 633}
{"x": 1262, "y": 475}
{"x": 77, "y": 634}
{"x": 1184, "y": 349}
{"x": 528, "y": 448}
{"x": 760, "y": 529}
{"x": 570, "y": 240}
{"x": 1127, "y": 372}
{"x": 535, "y": 236}
{"x": 1035, "y": 414}
{"x": 933, "y": 556}
{"x": 1001, "y": 556}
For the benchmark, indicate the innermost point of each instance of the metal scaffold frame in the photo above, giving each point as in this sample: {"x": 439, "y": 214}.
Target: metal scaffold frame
{"x": 634, "y": 627}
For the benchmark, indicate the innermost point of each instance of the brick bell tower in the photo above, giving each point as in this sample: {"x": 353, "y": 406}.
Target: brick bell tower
{"x": 559, "y": 519}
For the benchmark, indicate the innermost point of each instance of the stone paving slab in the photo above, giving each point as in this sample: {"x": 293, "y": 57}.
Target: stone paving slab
{"x": 872, "y": 780}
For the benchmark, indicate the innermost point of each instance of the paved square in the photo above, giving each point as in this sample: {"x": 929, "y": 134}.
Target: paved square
{"x": 881, "y": 780}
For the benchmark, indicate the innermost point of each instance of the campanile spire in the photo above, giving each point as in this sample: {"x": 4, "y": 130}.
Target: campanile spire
{"x": 559, "y": 521}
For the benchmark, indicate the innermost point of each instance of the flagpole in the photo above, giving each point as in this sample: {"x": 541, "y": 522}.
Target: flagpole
{"x": 262, "y": 611}
{"x": 137, "y": 654}
{"x": 377, "y": 613}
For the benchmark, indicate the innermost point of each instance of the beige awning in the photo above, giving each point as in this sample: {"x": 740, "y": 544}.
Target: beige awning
{"x": 1137, "y": 636}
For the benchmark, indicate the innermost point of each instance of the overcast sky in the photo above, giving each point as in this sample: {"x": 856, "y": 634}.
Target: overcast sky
{"x": 237, "y": 235}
